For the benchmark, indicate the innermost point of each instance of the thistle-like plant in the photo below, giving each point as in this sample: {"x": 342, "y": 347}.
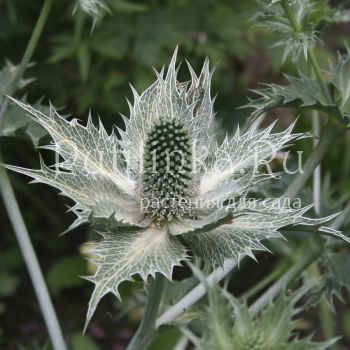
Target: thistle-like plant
{"x": 231, "y": 326}
{"x": 165, "y": 186}
{"x": 295, "y": 40}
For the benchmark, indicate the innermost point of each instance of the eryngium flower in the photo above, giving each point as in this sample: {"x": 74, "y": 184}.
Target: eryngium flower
{"x": 166, "y": 177}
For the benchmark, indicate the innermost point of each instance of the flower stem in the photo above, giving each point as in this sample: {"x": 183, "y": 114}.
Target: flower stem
{"x": 28, "y": 53}
{"x": 11, "y": 204}
{"x": 316, "y": 126}
{"x": 325, "y": 315}
{"x": 194, "y": 295}
{"x": 327, "y": 322}
{"x": 312, "y": 251}
{"x": 290, "y": 14}
{"x": 147, "y": 329}
{"x": 31, "y": 261}
{"x": 182, "y": 343}
{"x": 310, "y": 51}
{"x": 326, "y": 318}
{"x": 346, "y": 159}
{"x": 330, "y": 132}
{"x": 317, "y": 70}
{"x": 272, "y": 276}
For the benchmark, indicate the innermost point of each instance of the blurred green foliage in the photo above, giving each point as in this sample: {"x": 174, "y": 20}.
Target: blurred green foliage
{"x": 64, "y": 273}
{"x": 86, "y": 69}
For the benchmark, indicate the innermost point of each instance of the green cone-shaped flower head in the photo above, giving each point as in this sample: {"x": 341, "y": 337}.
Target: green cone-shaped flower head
{"x": 168, "y": 186}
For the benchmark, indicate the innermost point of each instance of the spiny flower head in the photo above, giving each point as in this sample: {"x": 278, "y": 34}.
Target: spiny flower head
{"x": 295, "y": 41}
{"x": 168, "y": 177}
{"x": 164, "y": 177}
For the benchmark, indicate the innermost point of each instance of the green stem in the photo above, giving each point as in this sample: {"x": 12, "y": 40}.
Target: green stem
{"x": 329, "y": 134}
{"x": 331, "y": 130}
{"x": 311, "y": 52}
{"x": 346, "y": 159}
{"x": 327, "y": 322}
{"x": 186, "y": 302}
{"x": 317, "y": 70}
{"x": 31, "y": 260}
{"x": 326, "y": 318}
{"x": 28, "y": 53}
{"x": 315, "y": 66}
{"x": 78, "y": 27}
{"x": 310, "y": 253}
{"x": 316, "y": 128}
{"x": 11, "y": 204}
{"x": 147, "y": 329}
{"x": 272, "y": 276}
{"x": 182, "y": 343}
{"x": 325, "y": 315}
{"x": 290, "y": 14}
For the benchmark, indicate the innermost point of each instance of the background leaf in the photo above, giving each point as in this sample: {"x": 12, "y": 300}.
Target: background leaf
{"x": 65, "y": 273}
{"x": 80, "y": 341}
{"x": 337, "y": 275}
{"x": 16, "y": 123}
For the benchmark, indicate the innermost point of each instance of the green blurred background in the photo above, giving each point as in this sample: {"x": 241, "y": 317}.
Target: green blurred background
{"x": 79, "y": 69}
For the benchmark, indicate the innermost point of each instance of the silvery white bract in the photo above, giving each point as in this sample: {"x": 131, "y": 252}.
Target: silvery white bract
{"x": 94, "y": 8}
{"x": 165, "y": 178}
